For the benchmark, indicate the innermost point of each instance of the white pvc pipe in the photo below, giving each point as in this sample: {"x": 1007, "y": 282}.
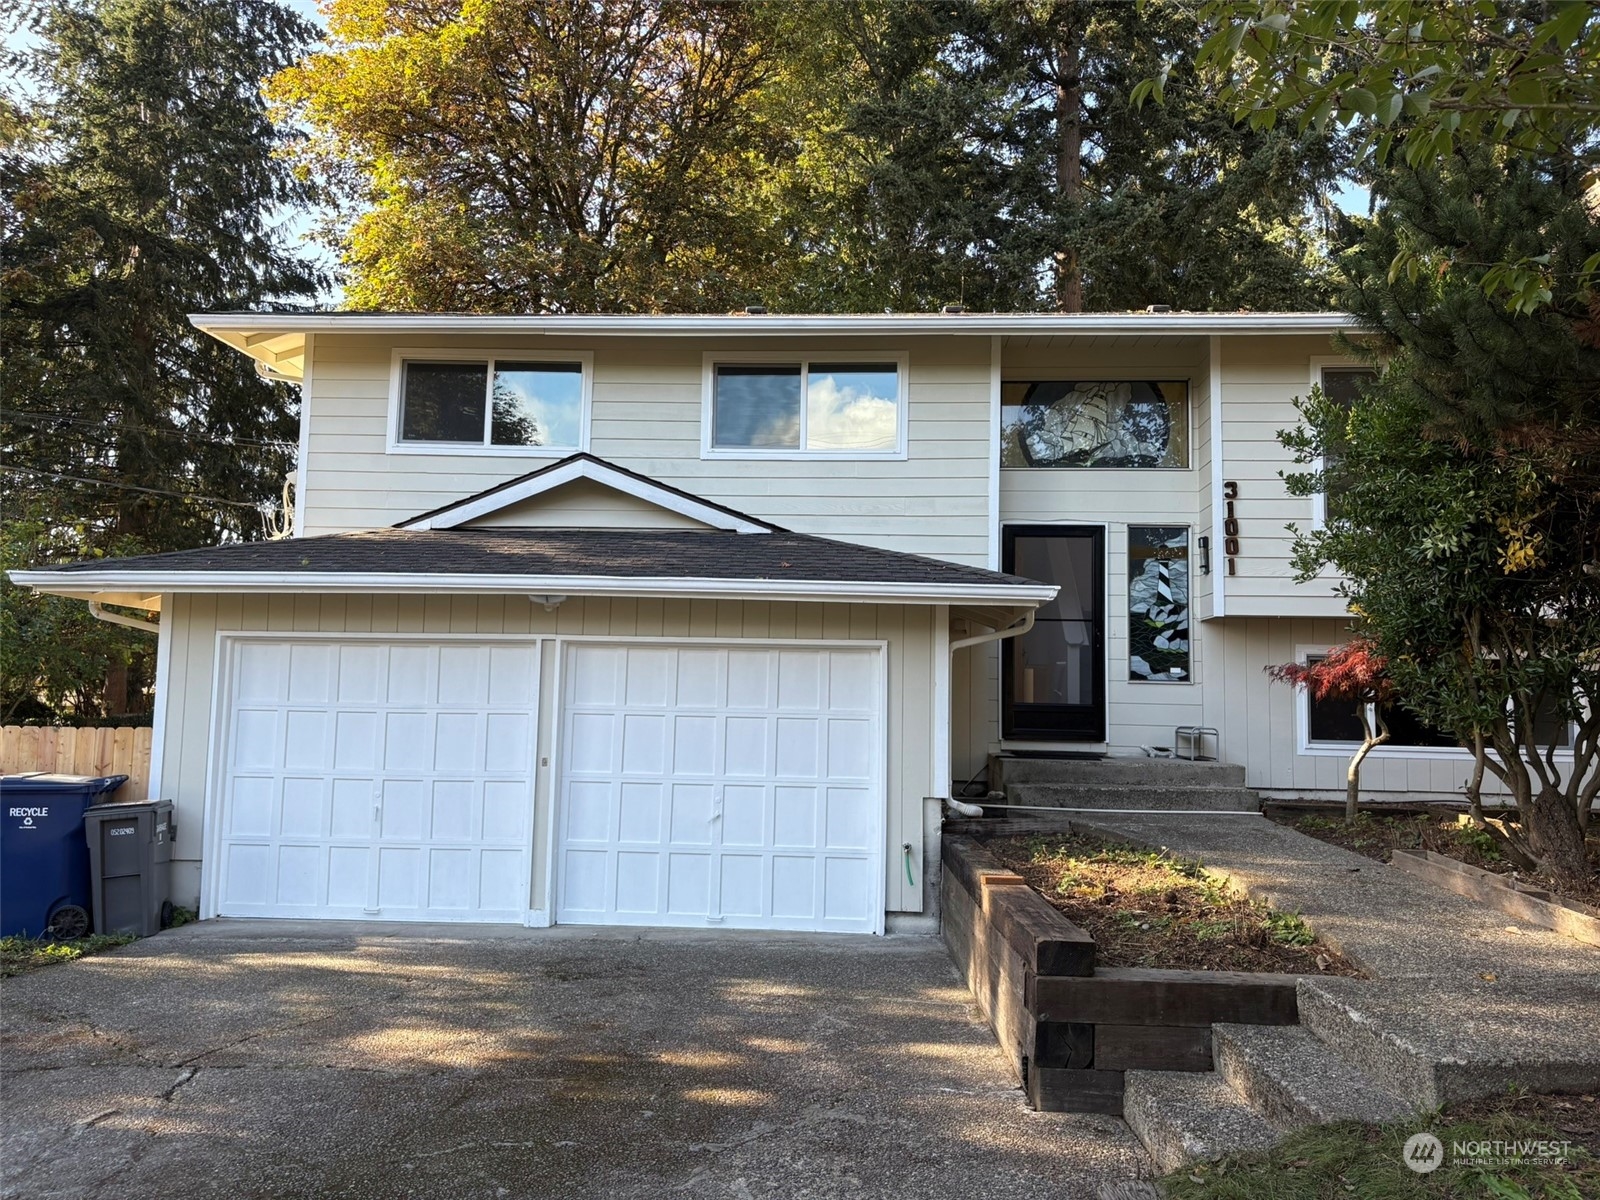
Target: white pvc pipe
{"x": 111, "y": 618}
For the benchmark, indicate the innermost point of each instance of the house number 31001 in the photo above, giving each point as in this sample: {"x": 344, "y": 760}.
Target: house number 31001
{"x": 1230, "y": 527}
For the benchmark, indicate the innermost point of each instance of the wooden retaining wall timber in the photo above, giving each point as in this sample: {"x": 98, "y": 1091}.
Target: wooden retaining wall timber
{"x": 1069, "y": 1029}
{"x": 114, "y": 750}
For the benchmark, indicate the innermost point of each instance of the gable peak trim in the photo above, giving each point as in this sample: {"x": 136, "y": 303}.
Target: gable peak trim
{"x": 586, "y": 466}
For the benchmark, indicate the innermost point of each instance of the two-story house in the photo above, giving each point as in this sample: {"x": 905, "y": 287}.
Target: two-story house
{"x": 691, "y": 620}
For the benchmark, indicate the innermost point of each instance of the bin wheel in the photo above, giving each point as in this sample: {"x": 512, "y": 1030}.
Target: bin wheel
{"x": 166, "y": 914}
{"x": 68, "y": 921}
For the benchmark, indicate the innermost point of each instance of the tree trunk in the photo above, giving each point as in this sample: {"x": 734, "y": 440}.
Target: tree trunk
{"x": 1069, "y": 157}
{"x": 1555, "y": 839}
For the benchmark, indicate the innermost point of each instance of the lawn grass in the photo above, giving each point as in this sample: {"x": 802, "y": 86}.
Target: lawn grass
{"x": 19, "y": 955}
{"x": 1337, "y": 1162}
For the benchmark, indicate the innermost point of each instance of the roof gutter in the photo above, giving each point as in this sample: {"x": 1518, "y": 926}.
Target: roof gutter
{"x": 89, "y": 584}
{"x": 870, "y": 324}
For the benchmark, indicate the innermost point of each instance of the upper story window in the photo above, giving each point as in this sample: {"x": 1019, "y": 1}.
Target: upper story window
{"x": 1100, "y": 423}
{"x": 810, "y": 407}
{"x": 1343, "y": 384}
{"x": 489, "y": 404}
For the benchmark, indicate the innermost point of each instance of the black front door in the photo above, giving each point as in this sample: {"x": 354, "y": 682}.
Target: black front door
{"x": 1053, "y": 678}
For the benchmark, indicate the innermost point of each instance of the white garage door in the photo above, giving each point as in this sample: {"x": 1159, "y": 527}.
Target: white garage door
{"x": 733, "y": 788}
{"x": 372, "y": 779}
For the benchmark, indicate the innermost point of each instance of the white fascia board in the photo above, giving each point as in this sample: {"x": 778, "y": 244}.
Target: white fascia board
{"x": 235, "y": 328}
{"x": 88, "y": 586}
{"x": 482, "y": 506}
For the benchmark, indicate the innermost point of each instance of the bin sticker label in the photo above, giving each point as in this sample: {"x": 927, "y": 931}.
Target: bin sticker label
{"x": 28, "y": 814}
{"x": 124, "y": 832}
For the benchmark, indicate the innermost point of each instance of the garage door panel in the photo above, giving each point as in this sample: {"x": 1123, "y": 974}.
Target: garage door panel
{"x": 702, "y": 678}
{"x": 413, "y": 678}
{"x": 388, "y": 810}
{"x": 641, "y": 808}
{"x": 304, "y": 812}
{"x": 638, "y": 882}
{"x": 301, "y": 871}
{"x": 263, "y": 676}
{"x": 799, "y": 746}
{"x": 258, "y": 739}
{"x": 747, "y": 751}
{"x": 508, "y": 741}
{"x": 355, "y": 741}
{"x": 591, "y": 744}
{"x": 362, "y": 678}
{"x": 588, "y": 811}
{"x": 848, "y": 824}
{"x": 734, "y": 807}
{"x": 308, "y": 739}
{"x": 744, "y": 814}
{"x": 692, "y": 805}
{"x": 311, "y": 674}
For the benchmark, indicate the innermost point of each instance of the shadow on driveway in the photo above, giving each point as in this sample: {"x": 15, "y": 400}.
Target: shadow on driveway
{"x": 254, "y": 1059}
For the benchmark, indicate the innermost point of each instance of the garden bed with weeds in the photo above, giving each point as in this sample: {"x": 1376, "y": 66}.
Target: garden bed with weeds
{"x": 1367, "y": 1161}
{"x": 19, "y": 955}
{"x": 1440, "y": 829}
{"x": 1145, "y": 908}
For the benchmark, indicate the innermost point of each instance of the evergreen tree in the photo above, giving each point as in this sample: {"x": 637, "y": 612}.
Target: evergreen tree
{"x": 1003, "y": 165}
{"x": 141, "y": 183}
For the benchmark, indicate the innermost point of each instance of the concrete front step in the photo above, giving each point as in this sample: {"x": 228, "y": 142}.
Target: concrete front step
{"x": 1431, "y": 1042}
{"x": 1190, "y": 1116}
{"x": 1292, "y": 1079}
{"x": 1139, "y": 797}
{"x": 1006, "y": 770}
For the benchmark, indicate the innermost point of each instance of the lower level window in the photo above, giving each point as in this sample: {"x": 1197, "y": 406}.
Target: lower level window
{"x": 492, "y": 402}
{"x": 1158, "y": 603}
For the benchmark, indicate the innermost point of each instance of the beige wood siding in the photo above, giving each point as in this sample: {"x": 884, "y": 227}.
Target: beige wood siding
{"x": 1261, "y": 377}
{"x": 197, "y": 620}
{"x": 646, "y": 416}
{"x": 584, "y": 504}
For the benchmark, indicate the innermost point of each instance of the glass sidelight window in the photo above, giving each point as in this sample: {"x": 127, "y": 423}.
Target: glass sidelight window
{"x": 1158, "y": 603}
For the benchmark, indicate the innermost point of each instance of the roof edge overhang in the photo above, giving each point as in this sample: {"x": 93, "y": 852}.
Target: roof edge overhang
{"x": 277, "y": 340}
{"x": 94, "y": 585}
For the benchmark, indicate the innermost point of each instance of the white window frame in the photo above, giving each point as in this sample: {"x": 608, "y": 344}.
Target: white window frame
{"x": 404, "y": 354}
{"x": 1319, "y": 500}
{"x": 778, "y": 358}
{"x": 1115, "y": 375}
{"x": 1305, "y": 746}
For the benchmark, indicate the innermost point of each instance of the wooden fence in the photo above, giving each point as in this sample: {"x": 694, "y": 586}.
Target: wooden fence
{"x": 120, "y": 750}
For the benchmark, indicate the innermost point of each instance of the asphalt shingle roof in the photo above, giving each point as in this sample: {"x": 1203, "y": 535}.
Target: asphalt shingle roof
{"x": 603, "y": 553}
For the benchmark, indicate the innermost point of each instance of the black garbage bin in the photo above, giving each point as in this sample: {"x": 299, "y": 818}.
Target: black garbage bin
{"x": 44, "y": 863}
{"x": 130, "y": 864}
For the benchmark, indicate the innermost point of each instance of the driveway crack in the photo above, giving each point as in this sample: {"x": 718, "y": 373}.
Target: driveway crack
{"x": 188, "y": 1074}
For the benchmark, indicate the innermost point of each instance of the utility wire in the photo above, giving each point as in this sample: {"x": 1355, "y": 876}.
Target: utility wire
{"x": 129, "y": 487}
{"x": 50, "y": 417}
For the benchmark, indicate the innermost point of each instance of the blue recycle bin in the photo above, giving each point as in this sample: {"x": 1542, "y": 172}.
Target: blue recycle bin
{"x": 44, "y": 858}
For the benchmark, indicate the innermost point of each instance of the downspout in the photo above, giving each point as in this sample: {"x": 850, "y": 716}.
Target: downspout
{"x": 1016, "y": 629}
{"x": 122, "y": 619}
{"x": 996, "y": 635}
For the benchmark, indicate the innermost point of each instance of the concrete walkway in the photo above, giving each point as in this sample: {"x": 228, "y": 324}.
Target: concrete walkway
{"x": 1465, "y": 1000}
{"x": 241, "y": 1059}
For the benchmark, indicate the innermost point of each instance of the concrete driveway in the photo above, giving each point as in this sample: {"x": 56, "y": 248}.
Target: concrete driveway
{"x": 245, "y": 1059}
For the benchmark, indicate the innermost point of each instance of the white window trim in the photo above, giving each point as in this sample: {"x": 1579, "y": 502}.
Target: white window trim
{"x": 403, "y": 354}
{"x": 1305, "y": 746}
{"x": 1111, "y": 375}
{"x": 1319, "y": 500}
{"x": 708, "y": 399}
